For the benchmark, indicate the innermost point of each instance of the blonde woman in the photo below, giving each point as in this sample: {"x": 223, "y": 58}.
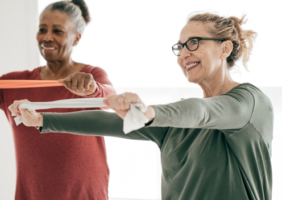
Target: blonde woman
{"x": 212, "y": 148}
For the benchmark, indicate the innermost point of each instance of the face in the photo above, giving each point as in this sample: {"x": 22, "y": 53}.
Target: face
{"x": 205, "y": 63}
{"x": 56, "y": 36}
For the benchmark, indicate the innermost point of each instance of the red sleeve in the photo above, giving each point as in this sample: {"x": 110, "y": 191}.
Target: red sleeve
{"x": 1, "y": 98}
{"x": 104, "y": 86}
{"x": 3, "y": 77}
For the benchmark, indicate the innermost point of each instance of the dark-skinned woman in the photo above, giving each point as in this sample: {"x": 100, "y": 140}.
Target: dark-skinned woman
{"x": 59, "y": 166}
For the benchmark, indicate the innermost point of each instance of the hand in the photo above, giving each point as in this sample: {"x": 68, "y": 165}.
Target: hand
{"x": 121, "y": 104}
{"x": 28, "y": 117}
{"x": 80, "y": 83}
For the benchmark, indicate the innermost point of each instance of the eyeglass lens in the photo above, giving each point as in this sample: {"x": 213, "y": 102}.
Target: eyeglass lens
{"x": 192, "y": 45}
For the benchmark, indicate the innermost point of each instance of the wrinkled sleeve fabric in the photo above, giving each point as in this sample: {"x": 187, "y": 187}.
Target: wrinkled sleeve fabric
{"x": 104, "y": 85}
{"x": 99, "y": 123}
{"x": 229, "y": 111}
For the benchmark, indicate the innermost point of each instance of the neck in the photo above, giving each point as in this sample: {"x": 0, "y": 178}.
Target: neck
{"x": 59, "y": 69}
{"x": 218, "y": 85}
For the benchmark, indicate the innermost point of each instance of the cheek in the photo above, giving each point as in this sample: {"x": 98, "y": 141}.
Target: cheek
{"x": 180, "y": 62}
{"x": 204, "y": 58}
{"x": 38, "y": 38}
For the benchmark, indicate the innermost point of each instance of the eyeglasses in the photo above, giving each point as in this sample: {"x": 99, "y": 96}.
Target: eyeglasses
{"x": 192, "y": 44}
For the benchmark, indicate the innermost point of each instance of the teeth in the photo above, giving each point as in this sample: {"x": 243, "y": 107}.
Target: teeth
{"x": 191, "y": 65}
{"x": 48, "y": 47}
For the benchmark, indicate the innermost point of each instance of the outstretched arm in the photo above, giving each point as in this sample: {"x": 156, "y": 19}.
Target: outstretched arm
{"x": 85, "y": 123}
{"x": 229, "y": 111}
{"x": 99, "y": 123}
{"x": 94, "y": 84}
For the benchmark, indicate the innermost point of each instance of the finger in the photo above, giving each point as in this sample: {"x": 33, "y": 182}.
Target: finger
{"x": 67, "y": 82}
{"x": 80, "y": 85}
{"x": 112, "y": 101}
{"x": 24, "y": 112}
{"x": 29, "y": 117}
{"x": 130, "y": 98}
{"x": 11, "y": 110}
{"x": 74, "y": 82}
{"x": 15, "y": 106}
{"x": 105, "y": 101}
{"x": 61, "y": 81}
{"x": 121, "y": 102}
{"x": 88, "y": 82}
{"x": 32, "y": 112}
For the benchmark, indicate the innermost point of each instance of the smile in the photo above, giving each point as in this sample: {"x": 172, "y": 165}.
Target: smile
{"x": 191, "y": 66}
{"x": 49, "y": 48}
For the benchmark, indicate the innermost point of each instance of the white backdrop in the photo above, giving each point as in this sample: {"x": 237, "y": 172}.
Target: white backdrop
{"x": 132, "y": 41}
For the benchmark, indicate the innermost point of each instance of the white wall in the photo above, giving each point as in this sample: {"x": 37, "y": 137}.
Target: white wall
{"x": 18, "y": 51}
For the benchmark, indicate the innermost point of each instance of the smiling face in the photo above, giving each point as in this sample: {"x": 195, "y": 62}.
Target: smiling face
{"x": 56, "y": 36}
{"x": 205, "y": 64}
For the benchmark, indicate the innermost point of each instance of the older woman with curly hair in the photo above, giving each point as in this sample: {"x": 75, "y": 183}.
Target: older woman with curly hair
{"x": 212, "y": 148}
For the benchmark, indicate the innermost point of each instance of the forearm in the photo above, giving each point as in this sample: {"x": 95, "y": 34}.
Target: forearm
{"x": 104, "y": 86}
{"x": 87, "y": 123}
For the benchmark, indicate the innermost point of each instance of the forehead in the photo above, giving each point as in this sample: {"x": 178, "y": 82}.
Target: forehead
{"x": 54, "y": 17}
{"x": 194, "y": 29}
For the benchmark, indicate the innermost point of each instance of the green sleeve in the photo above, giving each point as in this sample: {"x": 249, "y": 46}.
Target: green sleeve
{"x": 99, "y": 123}
{"x": 229, "y": 111}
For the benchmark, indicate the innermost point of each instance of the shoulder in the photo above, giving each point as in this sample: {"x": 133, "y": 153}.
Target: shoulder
{"x": 94, "y": 70}
{"x": 26, "y": 74}
{"x": 250, "y": 89}
{"x": 262, "y": 108}
{"x": 246, "y": 91}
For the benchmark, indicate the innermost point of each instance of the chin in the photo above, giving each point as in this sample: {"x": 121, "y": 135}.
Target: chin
{"x": 49, "y": 58}
{"x": 192, "y": 79}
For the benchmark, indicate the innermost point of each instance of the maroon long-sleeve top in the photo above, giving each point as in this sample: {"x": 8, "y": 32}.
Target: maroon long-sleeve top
{"x": 57, "y": 166}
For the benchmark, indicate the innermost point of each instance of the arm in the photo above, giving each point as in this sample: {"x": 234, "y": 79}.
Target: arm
{"x": 229, "y": 111}
{"x": 85, "y": 84}
{"x": 103, "y": 85}
{"x": 99, "y": 123}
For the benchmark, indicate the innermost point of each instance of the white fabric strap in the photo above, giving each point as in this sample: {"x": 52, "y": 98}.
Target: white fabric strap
{"x": 133, "y": 120}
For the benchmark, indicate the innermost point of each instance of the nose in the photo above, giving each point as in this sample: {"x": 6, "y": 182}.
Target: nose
{"x": 185, "y": 53}
{"x": 48, "y": 37}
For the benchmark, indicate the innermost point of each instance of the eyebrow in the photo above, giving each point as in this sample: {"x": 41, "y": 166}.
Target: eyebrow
{"x": 188, "y": 38}
{"x": 55, "y": 25}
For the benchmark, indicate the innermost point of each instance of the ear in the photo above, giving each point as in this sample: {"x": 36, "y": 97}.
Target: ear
{"x": 77, "y": 38}
{"x": 227, "y": 48}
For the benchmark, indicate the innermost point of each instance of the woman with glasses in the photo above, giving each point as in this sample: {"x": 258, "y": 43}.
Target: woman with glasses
{"x": 216, "y": 147}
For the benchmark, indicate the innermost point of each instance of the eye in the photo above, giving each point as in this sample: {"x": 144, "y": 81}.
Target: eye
{"x": 42, "y": 30}
{"x": 194, "y": 41}
{"x": 58, "y": 31}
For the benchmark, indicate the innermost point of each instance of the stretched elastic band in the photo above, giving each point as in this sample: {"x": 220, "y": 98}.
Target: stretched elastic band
{"x": 10, "y": 84}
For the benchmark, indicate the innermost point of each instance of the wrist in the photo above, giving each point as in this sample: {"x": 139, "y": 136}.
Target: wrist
{"x": 40, "y": 120}
{"x": 150, "y": 113}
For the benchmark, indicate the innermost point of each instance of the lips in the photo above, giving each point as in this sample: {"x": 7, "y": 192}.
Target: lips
{"x": 48, "y": 48}
{"x": 191, "y": 65}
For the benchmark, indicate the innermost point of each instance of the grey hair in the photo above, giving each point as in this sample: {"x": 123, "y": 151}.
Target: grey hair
{"x": 72, "y": 10}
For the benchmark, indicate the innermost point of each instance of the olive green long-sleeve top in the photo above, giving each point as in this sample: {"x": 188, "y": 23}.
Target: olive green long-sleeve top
{"x": 214, "y": 148}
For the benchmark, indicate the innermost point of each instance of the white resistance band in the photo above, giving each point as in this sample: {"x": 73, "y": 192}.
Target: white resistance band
{"x": 133, "y": 120}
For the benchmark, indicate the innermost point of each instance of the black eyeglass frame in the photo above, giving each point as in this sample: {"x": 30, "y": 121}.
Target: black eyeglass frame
{"x": 199, "y": 39}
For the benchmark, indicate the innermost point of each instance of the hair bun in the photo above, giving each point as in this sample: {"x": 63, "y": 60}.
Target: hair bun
{"x": 84, "y": 9}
